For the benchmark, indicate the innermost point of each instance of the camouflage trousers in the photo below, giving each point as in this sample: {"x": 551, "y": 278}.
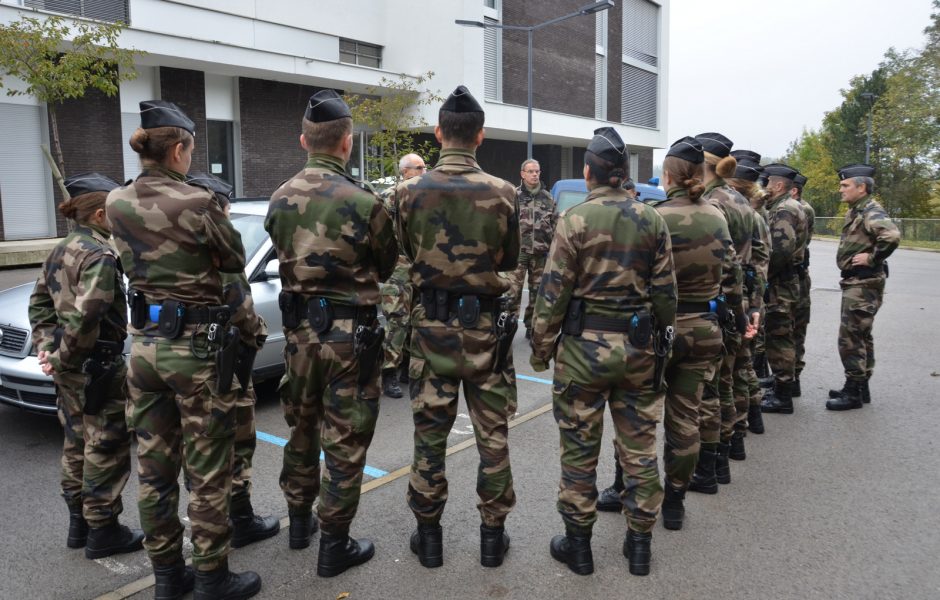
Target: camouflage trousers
{"x": 244, "y": 449}
{"x": 96, "y": 450}
{"x": 396, "y": 306}
{"x": 743, "y": 377}
{"x": 529, "y": 271}
{"x": 444, "y": 355}
{"x": 695, "y": 350}
{"x": 326, "y": 407}
{"x": 592, "y": 370}
{"x": 778, "y": 332}
{"x": 717, "y": 410}
{"x": 860, "y": 304}
{"x": 182, "y": 422}
{"x": 801, "y": 313}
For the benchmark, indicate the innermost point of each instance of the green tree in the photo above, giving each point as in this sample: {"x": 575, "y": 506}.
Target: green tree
{"x": 810, "y": 155}
{"x": 60, "y": 60}
{"x": 389, "y": 113}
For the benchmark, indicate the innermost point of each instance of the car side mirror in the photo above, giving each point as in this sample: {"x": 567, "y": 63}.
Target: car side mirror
{"x": 271, "y": 270}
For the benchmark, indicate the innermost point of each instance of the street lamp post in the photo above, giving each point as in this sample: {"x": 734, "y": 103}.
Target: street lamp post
{"x": 871, "y": 103}
{"x": 587, "y": 9}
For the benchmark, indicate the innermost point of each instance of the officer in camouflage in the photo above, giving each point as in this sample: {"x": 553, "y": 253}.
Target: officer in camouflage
{"x": 608, "y": 284}
{"x": 247, "y": 527}
{"x": 536, "y": 226}
{"x": 787, "y": 224}
{"x": 459, "y": 226}
{"x": 78, "y": 313}
{"x": 397, "y": 297}
{"x": 868, "y": 239}
{"x": 335, "y": 243}
{"x": 801, "y": 313}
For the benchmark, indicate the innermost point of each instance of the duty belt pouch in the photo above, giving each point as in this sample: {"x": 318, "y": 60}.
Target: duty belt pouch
{"x": 320, "y": 315}
{"x": 368, "y": 346}
{"x": 225, "y": 358}
{"x": 505, "y": 329}
{"x": 139, "y": 310}
{"x": 884, "y": 265}
{"x": 641, "y": 330}
{"x": 171, "y": 320}
{"x": 574, "y": 318}
{"x": 244, "y": 363}
{"x": 96, "y": 388}
{"x": 441, "y": 308}
{"x": 468, "y": 311}
{"x": 287, "y": 302}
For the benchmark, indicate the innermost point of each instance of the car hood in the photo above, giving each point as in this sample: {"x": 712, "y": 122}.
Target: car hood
{"x": 12, "y": 304}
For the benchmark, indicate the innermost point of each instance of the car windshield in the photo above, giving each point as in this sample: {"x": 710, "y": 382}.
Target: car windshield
{"x": 251, "y": 228}
{"x": 567, "y": 199}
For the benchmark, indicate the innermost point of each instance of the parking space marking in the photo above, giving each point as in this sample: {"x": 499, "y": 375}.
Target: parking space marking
{"x": 535, "y": 379}
{"x": 279, "y": 441}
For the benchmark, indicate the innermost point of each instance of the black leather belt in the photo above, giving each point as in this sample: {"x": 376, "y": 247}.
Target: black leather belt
{"x": 195, "y": 315}
{"x": 599, "y": 323}
{"x": 862, "y": 272}
{"x": 348, "y": 311}
{"x": 685, "y": 308}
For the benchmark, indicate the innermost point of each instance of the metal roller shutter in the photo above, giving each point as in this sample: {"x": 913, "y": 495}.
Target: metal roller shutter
{"x": 24, "y": 177}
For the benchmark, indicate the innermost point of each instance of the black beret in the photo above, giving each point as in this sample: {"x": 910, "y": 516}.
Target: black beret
{"x": 780, "y": 170}
{"x": 87, "y": 183}
{"x": 160, "y": 113}
{"x": 688, "y": 148}
{"x": 608, "y": 145}
{"x": 748, "y": 171}
{"x": 799, "y": 181}
{"x": 715, "y": 143}
{"x": 856, "y": 170}
{"x": 461, "y": 101}
{"x": 211, "y": 183}
{"x": 748, "y": 155}
{"x": 326, "y": 105}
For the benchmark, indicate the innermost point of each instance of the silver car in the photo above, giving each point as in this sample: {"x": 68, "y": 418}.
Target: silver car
{"x": 22, "y": 383}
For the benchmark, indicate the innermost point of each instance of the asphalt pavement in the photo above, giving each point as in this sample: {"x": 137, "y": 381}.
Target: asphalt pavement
{"x": 827, "y": 505}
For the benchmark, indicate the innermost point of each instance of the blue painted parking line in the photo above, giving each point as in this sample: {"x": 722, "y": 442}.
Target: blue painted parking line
{"x": 535, "y": 379}
{"x": 279, "y": 441}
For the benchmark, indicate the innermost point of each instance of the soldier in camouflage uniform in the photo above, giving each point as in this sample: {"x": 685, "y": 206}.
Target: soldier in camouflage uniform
{"x": 335, "y": 243}
{"x": 787, "y": 224}
{"x": 459, "y": 226}
{"x": 175, "y": 241}
{"x": 247, "y": 527}
{"x": 536, "y": 225}
{"x": 397, "y": 297}
{"x": 703, "y": 253}
{"x": 801, "y": 313}
{"x": 78, "y": 313}
{"x": 604, "y": 298}
{"x": 868, "y": 239}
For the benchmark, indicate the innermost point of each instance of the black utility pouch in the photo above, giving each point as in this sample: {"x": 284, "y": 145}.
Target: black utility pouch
{"x": 139, "y": 310}
{"x": 574, "y": 318}
{"x": 171, "y": 319}
{"x": 641, "y": 330}
{"x": 225, "y": 359}
{"x": 287, "y": 302}
{"x": 320, "y": 315}
{"x": 244, "y": 363}
{"x": 441, "y": 308}
{"x": 468, "y": 311}
{"x": 884, "y": 265}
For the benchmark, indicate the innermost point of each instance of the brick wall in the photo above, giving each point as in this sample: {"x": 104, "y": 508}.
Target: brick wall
{"x": 562, "y": 58}
{"x": 187, "y": 89}
{"x": 90, "y": 133}
{"x": 614, "y": 61}
{"x": 646, "y": 164}
{"x": 502, "y": 158}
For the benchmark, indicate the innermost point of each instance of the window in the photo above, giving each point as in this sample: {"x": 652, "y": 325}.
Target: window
{"x": 640, "y": 70}
{"x": 489, "y": 4}
{"x": 102, "y": 10}
{"x": 220, "y": 146}
{"x": 492, "y": 62}
{"x": 360, "y": 53}
{"x": 600, "y": 66}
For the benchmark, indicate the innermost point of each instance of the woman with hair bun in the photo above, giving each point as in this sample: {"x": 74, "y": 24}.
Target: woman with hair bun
{"x": 78, "y": 313}
{"x": 703, "y": 255}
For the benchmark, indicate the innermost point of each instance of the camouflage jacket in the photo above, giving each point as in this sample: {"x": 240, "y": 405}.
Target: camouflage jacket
{"x": 251, "y": 326}
{"x": 174, "y": 240}
{"x": 738, "y": 213}
{"x": 787, "y": 223}
{"x": 867, "y": 229}
{"x": 459, "y": 226}
{"x": 702, "y": 251}
{"x": 81, "y": 291}
{"x": 613, "y": 252}
{"x": 388, "y": 198}
{"x": 810, "y": 228}
{"x": 536, "y": 219}
{"x": 333, "y": 237}
{"x": 760, "y": 259}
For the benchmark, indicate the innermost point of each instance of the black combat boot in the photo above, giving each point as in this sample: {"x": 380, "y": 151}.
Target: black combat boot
{"x": 636, "y": 547}
{"x": 403, "y": 378}
{"x": 673, "y": 509}
{"x": 428, "y": 543}
{"x": 722, "y": 466}
{"x": 703, "y": 479}
{"x": 301, "y": 530}
{"x": 737, "y": 451}
{"x": 390, "y": 384}
{"x": 795, "y": 390}
{"x": 755, "y": 419}
{"x": 113, "y": 539}
{"x": 778, "y": 400}
{"x": 850, "y": 398}
{"x": 766, "y": 382}
{"x": 339, "y": 552}
{"x": 222, "y": 584}
{"x": 866, "y": 392}
{"x": 172, "y": 581}
{"x": 247, "y": 527}
{"x": 575, "y": 551}
{"x": 609, "y": 499}
{"x": 494, "y": 543}
{"x": 760, "y": 366}
{"x": 78, "y": 527}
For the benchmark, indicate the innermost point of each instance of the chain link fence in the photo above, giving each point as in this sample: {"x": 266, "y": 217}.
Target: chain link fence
{"x": 920, "y": 230}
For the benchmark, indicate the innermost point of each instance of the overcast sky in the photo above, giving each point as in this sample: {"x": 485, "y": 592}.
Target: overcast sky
{"x": 730, "y": 61}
